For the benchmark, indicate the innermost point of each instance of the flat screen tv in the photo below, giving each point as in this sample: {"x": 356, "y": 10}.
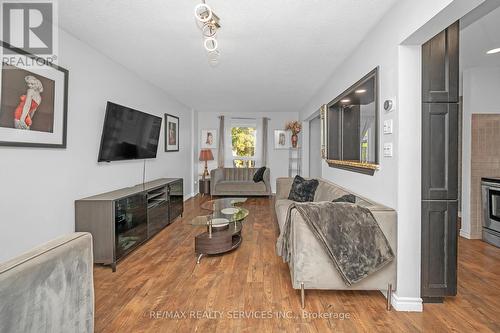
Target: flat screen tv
{"x": 128, "y": 134}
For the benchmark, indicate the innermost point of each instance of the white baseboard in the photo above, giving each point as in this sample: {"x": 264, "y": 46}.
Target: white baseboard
{"x": 189, "y": 196}
{"x": 468, "y": 235}
{"x": 408, "y": 304}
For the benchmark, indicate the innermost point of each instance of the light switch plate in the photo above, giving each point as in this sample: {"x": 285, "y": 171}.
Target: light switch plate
{"x": 388, "y": 126}
{"x": 388, "y": 149}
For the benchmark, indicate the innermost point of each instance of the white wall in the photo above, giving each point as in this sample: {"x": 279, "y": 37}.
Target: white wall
{"x": 481, "y": 87}
{"x": 39, "y": 186}
{"x": 397, "y": 183}
{"x": 314, "y": 158}
{"x": 277, "y": 159}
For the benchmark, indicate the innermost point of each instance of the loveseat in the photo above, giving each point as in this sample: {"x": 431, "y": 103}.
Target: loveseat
{"x": 239, "y": 182}
{"x": 310, "y": 267}
{"x": 50, "y": 288}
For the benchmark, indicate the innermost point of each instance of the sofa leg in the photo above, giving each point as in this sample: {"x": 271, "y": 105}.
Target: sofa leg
{"x": 389, "y": 296}
{"x": 302, "y": 295}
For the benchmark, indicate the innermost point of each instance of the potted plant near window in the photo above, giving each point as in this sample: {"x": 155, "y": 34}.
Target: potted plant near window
{"x": 295, "y": 127}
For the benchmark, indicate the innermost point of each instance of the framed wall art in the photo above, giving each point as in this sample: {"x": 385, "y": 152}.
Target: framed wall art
{"x": 171, "y": 133}
{"x": 33, "y": 103}
{"x": 281, "y": 139}
{"x": 209, "y": 139}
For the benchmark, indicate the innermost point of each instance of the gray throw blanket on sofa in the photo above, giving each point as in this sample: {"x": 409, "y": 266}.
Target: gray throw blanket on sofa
{"x": 349, "y": 234}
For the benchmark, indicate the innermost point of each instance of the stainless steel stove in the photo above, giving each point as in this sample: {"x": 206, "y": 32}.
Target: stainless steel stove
{"x": 490, "y": 188}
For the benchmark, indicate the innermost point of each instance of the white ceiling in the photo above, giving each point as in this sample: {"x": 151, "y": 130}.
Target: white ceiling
{"x": 479, "y": 37}
{"x": 274, "y": 54}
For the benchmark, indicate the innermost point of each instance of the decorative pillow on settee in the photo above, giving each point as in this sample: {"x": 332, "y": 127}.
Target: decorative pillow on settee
{"x": 259, "y": 175}
{"x": 303, "y": 190}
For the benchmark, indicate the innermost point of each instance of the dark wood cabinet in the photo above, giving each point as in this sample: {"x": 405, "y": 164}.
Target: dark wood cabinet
{"x": 440, "y": 70}
{"x": 440, "y": 133}
{"x": 439, "y": 151}
{"x": 176, "y": 199}
{"x": 439, "y": 249}
{"x": 122, "y": 220}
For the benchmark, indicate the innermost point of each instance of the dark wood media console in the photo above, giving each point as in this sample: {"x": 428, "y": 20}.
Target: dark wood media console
{"x": 122, "y": 220}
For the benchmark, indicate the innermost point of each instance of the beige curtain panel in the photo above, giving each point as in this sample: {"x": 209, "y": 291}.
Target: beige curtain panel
{"x": 265, "y": 124}
{"x": 220, "y": 149}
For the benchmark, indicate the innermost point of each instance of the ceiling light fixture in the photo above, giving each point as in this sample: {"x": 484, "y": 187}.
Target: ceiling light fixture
{"x": 345, "y": 100}
{"x": 209, "y": 23}
{"x": 360, "y": 91}
{"x": 493, "y": 51}
{"x": 210, "y": 44}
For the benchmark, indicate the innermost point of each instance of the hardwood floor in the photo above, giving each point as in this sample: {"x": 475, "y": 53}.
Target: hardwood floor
{"x": 159, "y": 288}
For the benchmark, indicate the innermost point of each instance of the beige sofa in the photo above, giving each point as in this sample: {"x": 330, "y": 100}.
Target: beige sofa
{"x": 310, "y": 267}
{"x": 49, "y": 289}
{"x": 239, "y": 182}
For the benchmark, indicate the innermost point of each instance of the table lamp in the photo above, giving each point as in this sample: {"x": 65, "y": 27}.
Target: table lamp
{"x": 206, "y": 155}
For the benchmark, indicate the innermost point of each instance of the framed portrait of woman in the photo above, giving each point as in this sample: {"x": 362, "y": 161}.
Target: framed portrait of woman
{"x": 281, "y": 139}
{"x": 209, "y": 139}
{"x": 33, "y": 102}
{"x": 171, "y": 133}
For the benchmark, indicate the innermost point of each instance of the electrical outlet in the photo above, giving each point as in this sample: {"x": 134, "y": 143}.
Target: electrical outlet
{"x": 388, "y": 149}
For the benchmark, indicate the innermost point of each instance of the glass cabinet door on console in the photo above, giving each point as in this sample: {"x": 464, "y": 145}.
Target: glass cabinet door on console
{"x": 176, "y": 199}
{"x": 130, "y": 223}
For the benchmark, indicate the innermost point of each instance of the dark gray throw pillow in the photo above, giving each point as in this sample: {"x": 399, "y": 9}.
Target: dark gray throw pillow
{"x": 259, "y": 175}
{"x": 351, "y": 198}
{"x": 303, "y": 190}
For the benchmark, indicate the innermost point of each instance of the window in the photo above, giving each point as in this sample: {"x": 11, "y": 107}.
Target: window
{"x": 243, "y": 141}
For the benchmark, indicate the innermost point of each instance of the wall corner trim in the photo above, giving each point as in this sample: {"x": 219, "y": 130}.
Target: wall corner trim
{"x": 469, "y": 235}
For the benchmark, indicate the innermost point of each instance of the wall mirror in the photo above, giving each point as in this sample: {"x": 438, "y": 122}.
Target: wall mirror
{"x": 350, "y": 126}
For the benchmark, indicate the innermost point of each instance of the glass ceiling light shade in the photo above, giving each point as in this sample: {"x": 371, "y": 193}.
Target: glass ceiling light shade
{"x": 203, "y": 12}
{"x": 209, "y": 30}
{"x": 213, "y": 58}
{"x": 210, "y": 44}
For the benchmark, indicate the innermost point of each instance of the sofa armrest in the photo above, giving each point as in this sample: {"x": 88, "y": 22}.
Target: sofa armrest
{"x": 267, "y": 180}
{"x": 216, "y": 175}
{"x": 283, "y": 187}
{"x": 49, "y": 288}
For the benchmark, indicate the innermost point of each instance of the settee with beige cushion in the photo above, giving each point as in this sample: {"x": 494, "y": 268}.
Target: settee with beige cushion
{"x": 310, "y": 266}
{"x": 49, "y": 289}
{"x": 239, "y": 182}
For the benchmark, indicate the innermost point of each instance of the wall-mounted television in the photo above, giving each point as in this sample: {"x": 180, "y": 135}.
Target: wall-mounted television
{"x": 128, "y": 134}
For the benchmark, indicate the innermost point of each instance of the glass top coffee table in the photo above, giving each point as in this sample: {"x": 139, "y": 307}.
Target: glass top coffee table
{"x": 224, "y": 226}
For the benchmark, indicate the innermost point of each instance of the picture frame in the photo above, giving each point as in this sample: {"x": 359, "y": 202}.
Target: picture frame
{"x": 171, "y": 133}
{"x": 209, "y": 139}
{"x": 33, "y": 103}
{"x": 282, "y": 139}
